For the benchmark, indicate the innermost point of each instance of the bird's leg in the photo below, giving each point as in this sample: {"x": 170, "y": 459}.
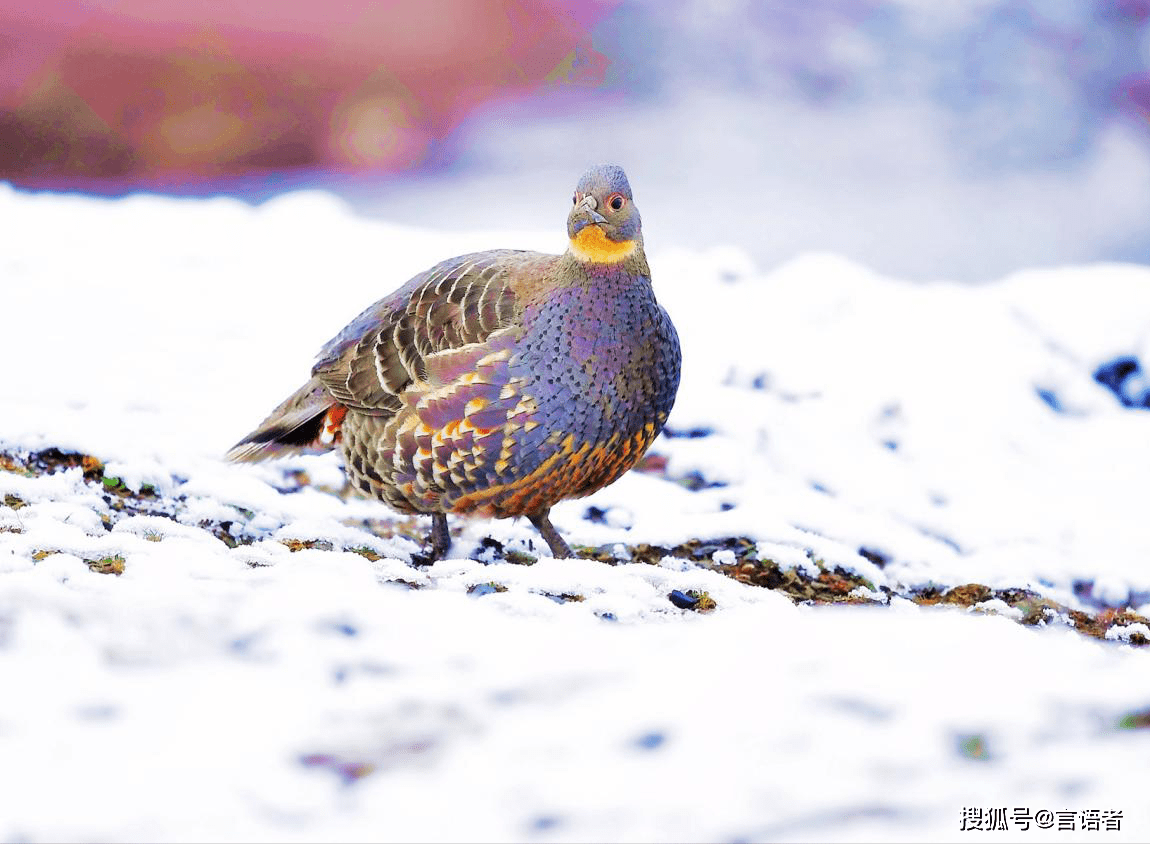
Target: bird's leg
{"x": 559, "y": 548}
{"x": 440, "y": 536}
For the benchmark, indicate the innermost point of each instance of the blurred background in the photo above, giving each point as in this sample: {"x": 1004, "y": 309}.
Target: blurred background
{"x": 927, "y": 139}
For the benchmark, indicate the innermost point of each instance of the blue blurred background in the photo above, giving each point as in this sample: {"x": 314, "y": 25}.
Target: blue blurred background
{"x": 927, "y": 139}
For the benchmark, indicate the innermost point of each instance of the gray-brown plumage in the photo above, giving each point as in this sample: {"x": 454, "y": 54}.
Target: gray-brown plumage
{"x": 498, "y": 383}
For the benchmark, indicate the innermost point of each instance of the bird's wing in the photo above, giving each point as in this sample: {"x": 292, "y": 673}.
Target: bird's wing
{"x": 429, "y": 332}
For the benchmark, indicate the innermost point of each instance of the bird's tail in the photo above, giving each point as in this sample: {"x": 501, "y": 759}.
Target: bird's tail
{"x": 307, "y": 422}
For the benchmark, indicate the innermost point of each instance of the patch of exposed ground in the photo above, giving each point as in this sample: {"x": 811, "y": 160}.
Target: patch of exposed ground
{"x": 735, "y": 557}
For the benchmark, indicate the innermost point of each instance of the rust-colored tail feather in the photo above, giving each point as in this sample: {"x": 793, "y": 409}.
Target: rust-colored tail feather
{"x": 307, "y": 422}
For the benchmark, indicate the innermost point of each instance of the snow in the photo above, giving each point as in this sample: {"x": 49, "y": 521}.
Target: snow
{"x": 337, "y": 692}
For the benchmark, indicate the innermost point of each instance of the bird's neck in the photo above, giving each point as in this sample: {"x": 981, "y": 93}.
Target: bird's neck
{"x": 626, "y": 264}
{"x": 592, "y": 246}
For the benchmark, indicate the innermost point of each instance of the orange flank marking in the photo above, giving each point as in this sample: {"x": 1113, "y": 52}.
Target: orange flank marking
{"x": 573, "y": 470}
{"x": 570, "y": 471}
{"x": 591, "y": 244}
{"x": 333, "y": 424}
{"x": 475, "y": 500}
{"x": 531, "y": 490}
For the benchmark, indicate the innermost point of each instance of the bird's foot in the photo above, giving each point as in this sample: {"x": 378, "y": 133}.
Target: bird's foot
{"x": 438, "y": 541}
{"x": 560, "y": 550}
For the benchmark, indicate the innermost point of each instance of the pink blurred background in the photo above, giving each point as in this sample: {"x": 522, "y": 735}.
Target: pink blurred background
{"x": 155, "y": 93}
{"x": 925, "y": 139}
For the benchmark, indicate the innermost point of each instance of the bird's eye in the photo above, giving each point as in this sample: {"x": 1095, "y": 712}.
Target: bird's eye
{"x": 574, "y": 199}
{"x": 616, "y": 201}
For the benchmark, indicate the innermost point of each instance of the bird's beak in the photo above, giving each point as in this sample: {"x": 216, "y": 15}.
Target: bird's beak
{"x": 589, "y": 205}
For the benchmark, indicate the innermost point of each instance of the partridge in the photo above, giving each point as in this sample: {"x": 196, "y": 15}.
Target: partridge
{"x": 499, "y": 383}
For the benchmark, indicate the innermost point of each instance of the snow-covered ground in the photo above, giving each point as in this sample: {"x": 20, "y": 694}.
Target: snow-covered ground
{"x": 270, "y": 665}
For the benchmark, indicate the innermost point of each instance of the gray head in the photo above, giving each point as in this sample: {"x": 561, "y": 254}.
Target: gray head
{"x": 604, "y": 224}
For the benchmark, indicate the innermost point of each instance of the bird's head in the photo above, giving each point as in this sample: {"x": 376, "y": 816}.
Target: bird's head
{"x": 604, "y": 224}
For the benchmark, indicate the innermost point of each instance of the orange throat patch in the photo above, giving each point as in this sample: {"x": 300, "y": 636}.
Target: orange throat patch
{"x": 591, "y": 244}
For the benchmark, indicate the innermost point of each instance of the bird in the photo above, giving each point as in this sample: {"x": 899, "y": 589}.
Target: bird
{"x": 497, "y": 384}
